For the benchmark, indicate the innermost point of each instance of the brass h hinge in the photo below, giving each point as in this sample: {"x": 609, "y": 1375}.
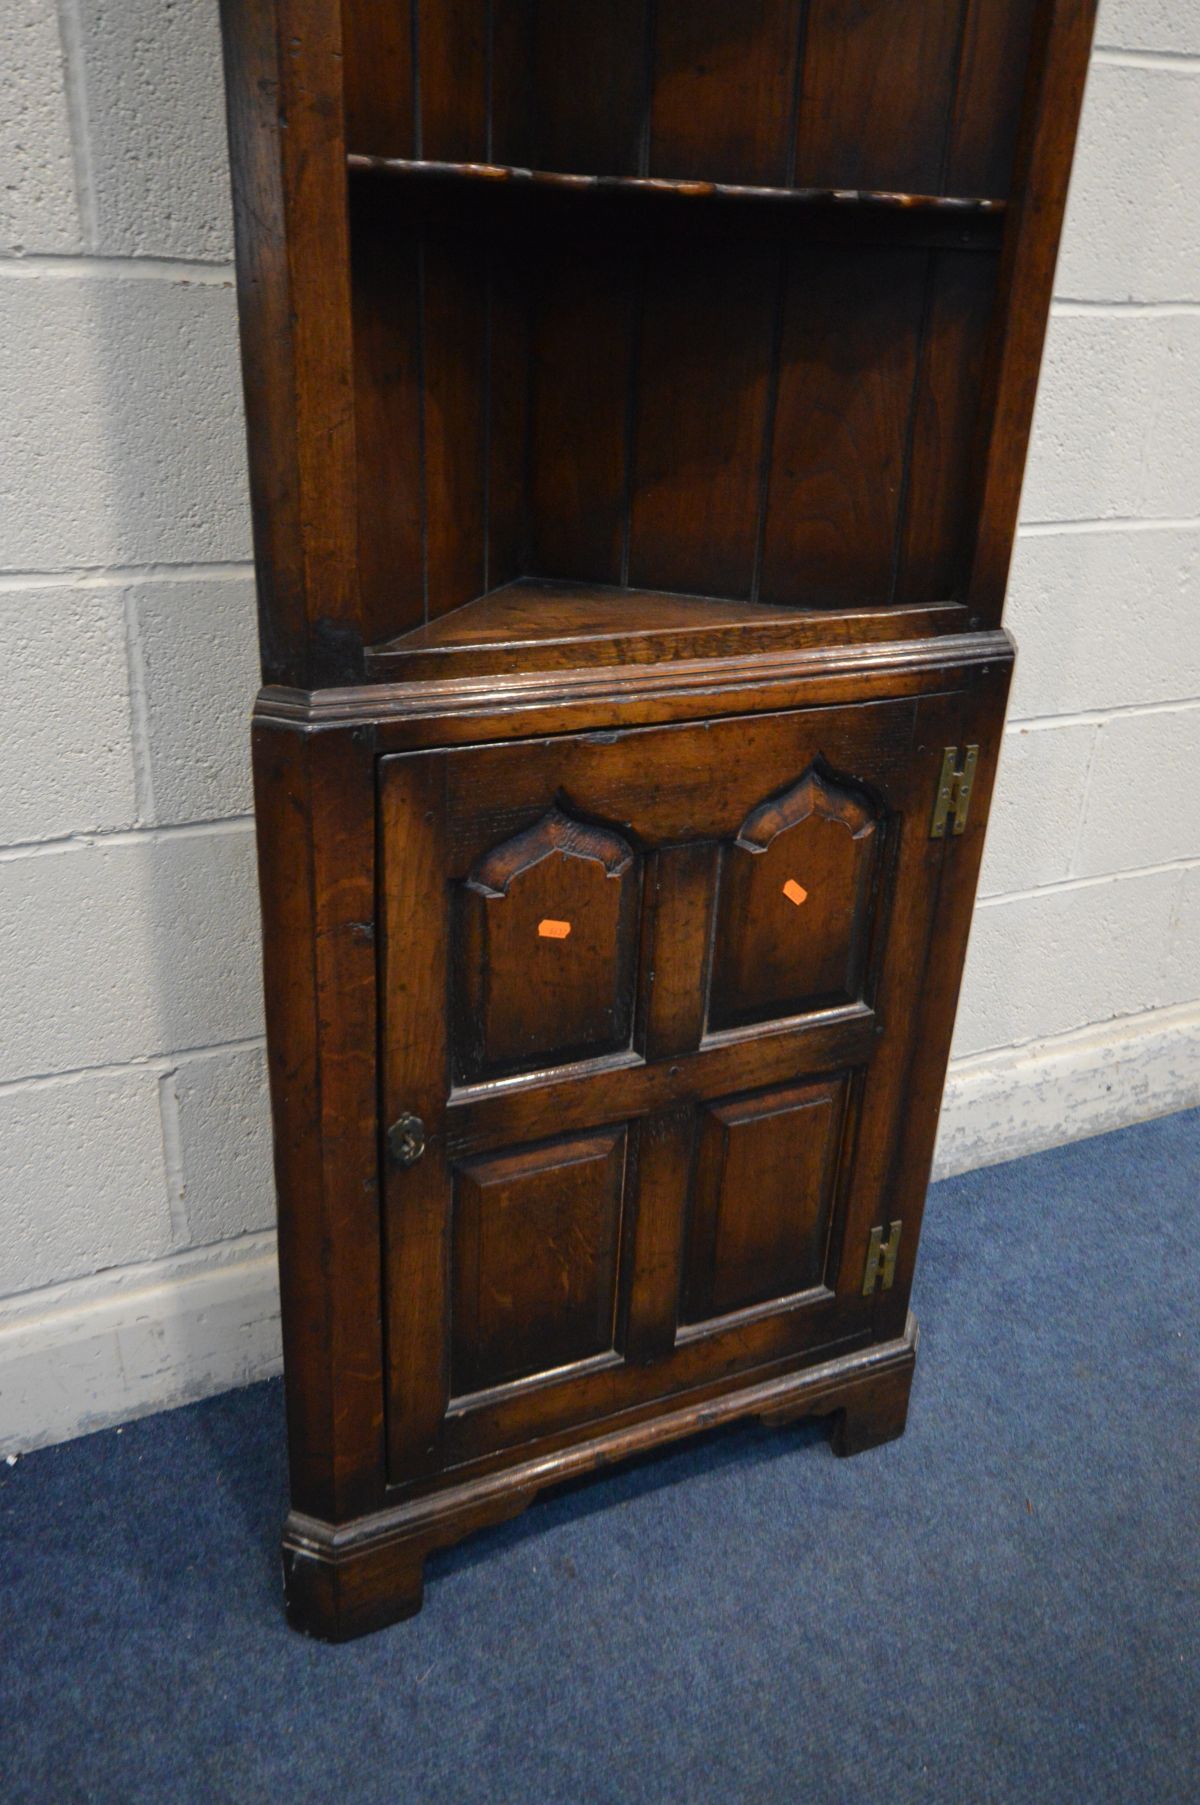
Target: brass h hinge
{"x": 881, "y": 1260}
{"x": 954, "y": 791}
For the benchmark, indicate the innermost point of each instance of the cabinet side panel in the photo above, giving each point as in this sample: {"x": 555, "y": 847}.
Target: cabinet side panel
{"x": 316, "y": 872}
{"x": 958, "y": 879}
{"x": 266, "y": 339}
{"x": 289, "y": 185}
{"x": 1062, "y": 40}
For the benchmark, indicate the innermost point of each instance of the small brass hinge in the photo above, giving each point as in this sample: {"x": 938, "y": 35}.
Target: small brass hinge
{"x": 953, "y": 799}
{"x": 881, "y": 1260}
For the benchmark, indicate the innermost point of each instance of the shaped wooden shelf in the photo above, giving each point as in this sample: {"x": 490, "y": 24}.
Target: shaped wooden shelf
{"x": 949, "y": 218}
{"x": 538, "y": 625}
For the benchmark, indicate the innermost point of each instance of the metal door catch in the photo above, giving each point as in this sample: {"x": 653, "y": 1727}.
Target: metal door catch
{"x": 406, "y": 1140}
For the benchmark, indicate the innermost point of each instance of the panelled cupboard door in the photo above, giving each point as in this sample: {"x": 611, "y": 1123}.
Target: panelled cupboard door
{"x": 645, "y": 1001}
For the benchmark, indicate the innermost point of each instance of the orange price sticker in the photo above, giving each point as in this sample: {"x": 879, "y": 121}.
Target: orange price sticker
{"x": 554, "y": 930}
{"x": 795, "y": 893}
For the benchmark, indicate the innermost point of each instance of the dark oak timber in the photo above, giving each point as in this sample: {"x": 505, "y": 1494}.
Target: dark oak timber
{"x": 638, "y": 402}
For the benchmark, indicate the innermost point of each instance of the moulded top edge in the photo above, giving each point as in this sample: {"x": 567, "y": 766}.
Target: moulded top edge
{"x": 708, "y": 682}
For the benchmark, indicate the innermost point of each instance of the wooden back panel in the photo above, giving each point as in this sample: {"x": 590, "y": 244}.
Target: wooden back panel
{"x": 742, "y": 412}
{"x": 902, "y": 94}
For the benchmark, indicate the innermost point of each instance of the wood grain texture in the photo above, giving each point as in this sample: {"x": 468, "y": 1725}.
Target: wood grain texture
{"x": 540, "y": 625}
{"x": 380, "y": 77}
{"x": 389, "y": 413}
{"x": 870, "y": 214}
{"x": 841, "y": 432}
{"x": 315, "y": 815}
{"x": 951, "y": 926}
{"x": 664, "y": 1158}
{"x": 793, "y": 911}
{"x": 528, "y": 998}
{"x": 761, "y": 1195}
{"x": 509, "y": 355}
{"x": 580, "y": 399}
{"x": 702, "y": 68}
{"x": 1062, "y": 46}
{"x": 935, "y": 531}
{"x": 872, "y": 1417}
{"x": 512, "y": 706}
{"x": 570, "y": 85}
{"x": 535, "y": 1259}
{"x": 705, "y": 356}
{"x": 681, "y": 887}
{"x": 454, "y": 341}
{"x": 724, "y": 84}
{"x": 415, "y": 1075}
{"x": 993, "y": 65}
{"x": 662, "y": 786}
{"x": 452, "y": 77}
{"x": 292, "y": 245}
{"x": 877, "y": 84}
{"x": 344, "y": 1584}
{"x": 482, "y": 1119}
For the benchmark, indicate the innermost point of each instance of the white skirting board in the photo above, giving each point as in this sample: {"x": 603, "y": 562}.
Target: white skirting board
{"x": 1003, "y": 1105}
{"x": 99, "y": 1351}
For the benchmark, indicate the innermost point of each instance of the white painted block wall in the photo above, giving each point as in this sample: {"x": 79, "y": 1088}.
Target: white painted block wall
{"x": 136, "y": 1211}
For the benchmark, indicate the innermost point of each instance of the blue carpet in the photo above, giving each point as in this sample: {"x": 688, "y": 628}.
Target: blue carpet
{"x": 1001, "y": 1607}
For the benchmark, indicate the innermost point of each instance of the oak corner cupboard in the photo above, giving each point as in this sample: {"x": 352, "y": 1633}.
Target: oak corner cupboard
{"x": 638, "y": 400}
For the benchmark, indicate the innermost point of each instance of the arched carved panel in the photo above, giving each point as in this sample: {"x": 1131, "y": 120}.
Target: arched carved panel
{"x": 794, "y": 905}
{"x": 546, "y": 949}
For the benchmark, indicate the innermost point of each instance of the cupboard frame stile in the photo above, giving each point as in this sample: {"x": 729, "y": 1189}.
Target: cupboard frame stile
{"x": 638, "y": 400}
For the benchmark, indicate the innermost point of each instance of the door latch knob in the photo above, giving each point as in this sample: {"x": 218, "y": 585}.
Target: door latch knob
{"x": 406, "y": 1140}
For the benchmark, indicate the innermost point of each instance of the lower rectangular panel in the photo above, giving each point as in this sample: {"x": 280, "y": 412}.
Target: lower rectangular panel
{"x": 534, "y": 1258}
{"x": 766, "y": 1167}
{"x": 527, "y": 1412}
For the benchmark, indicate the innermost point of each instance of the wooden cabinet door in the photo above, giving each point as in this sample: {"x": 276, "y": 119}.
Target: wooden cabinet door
{"x": 647, "y": 999}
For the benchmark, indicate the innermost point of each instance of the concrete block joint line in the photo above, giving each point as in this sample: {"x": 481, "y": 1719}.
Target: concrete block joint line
{"x": 136, "y": 1264}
